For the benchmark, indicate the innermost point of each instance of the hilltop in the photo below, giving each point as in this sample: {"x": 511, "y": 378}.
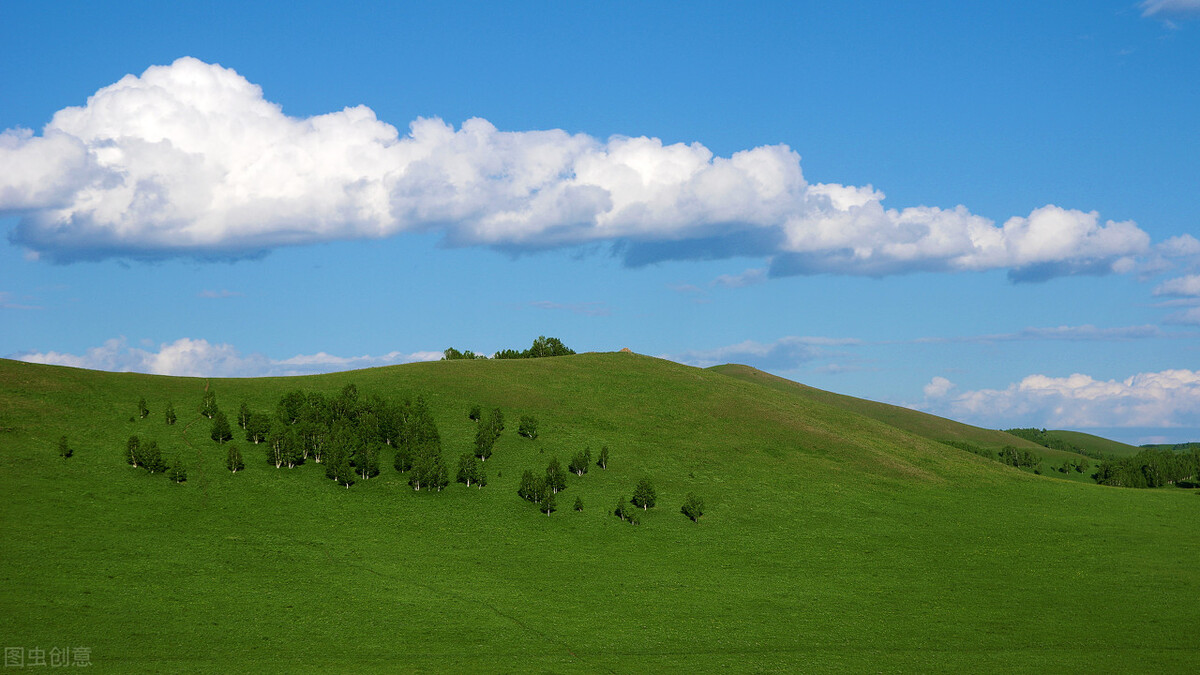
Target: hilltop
{"x": 835, "y": 536}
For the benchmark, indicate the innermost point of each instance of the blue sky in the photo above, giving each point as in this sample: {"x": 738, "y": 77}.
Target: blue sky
{"x": 985, "y": 210}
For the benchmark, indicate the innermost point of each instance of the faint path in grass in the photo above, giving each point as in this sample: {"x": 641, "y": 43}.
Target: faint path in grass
{"x": 199, "y": 457}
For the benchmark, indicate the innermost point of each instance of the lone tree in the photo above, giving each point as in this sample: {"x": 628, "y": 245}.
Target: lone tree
{"x": 64, "y": 450}
{"x": 603, "y": 461}
{"x": 643, "y": 494}
{"x": 151, "y": 458}
{"x": 578, "y": 504}
{"x": 547, "y": 505}
{"x": 133, "y": 451}
{"x": 143, "y": 411}
{"x": 233, "y": 460}
{"x": 620, "y": 509}
{"x": 475, "y": 413}
{"x": 177, "y": 473}
{"x": 170, "y": 413}
{"x": 693, "y": 507}
{"x": 243, "y": 418}
{"x": 485, "y": 439}
{"x": 579, "y": 463}
{"x": 208, "y": 405}
{"x": 220, "y": 428}
{"x": 528, "y": 427}
{"x": 556, "y": 478}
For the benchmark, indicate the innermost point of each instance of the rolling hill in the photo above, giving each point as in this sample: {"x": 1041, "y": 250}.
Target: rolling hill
{"x": 837, "y": 535}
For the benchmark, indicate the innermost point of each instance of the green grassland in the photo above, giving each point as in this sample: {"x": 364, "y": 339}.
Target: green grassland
{"x": 832, "y": 540}
{"x": 1095, "y": 444}
{"x": 922, "y": 424}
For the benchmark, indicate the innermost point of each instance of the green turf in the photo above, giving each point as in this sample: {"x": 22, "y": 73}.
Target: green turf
{"x": 1095, "y": 444}
{"x": 922, "y": 424}
{"x": 832, "y": 541}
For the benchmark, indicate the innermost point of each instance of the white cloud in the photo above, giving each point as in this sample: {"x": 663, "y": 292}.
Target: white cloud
{"x": 1170, "y": 398}
{"x": 747, "y": 278}
{"x": 216, "y": 295}
{"x": 199, "y": 358}
{"x": 191, "y": 160}
{"x": 1188, "y": 286}
{"x": 1187, "y": 317}
{"x": 938, "y": 387}
{"x": 783, "y": 354}
{"x": 1179, "y": 8}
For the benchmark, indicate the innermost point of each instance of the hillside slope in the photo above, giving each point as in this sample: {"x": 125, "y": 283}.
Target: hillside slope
{"x": 922, "y": 424}
{"x": 830, "y": 540}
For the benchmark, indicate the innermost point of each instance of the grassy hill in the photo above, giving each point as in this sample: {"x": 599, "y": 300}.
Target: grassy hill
{"x": 1097, "y": 444}
{"x": 922, "y": 424}
{"x": 832, "y": 539}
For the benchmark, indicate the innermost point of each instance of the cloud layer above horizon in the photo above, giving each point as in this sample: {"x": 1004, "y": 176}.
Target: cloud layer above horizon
{"x": 191, "y": 160}
{"x": 188, "y": 357}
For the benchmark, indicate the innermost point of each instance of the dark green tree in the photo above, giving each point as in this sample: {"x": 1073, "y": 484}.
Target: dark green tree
{"x": 556, "y": 478}
{"x": 233, "y": 459}
{"x": 526, "y": 488}
{"x": 548, "y": 505}
{"x": 468, "y": 469}
{"x": 177, "y": 472}
{"x": 693, "y": 507}
{"x": 603, "y": 461}
{"x": 620, "y": 510}
{"x": 220, "y": 428}
{"x": 338, "y": 467}
{"x": 366, "y": 460}
{"x": 133, "y": 451}
{"x": 143, "y": 411}
{"x": 578, "y": 504}
{"x": 151, "y": 458}
{"x": 258, "y": 427}
{"x": 579, "y": 463}
{"x": 475, "y": 413}
{"x": 170, "y": 413}
{"x": 485, "y": 440}
{"x": 643, "y": 494}
{"x": 208, "y": 405}
{"x": 528, "y": 427}
{"x": 64, "y": 450}
{"x": 243, "y": 418}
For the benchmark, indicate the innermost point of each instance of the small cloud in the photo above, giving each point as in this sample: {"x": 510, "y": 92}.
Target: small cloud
{"x": 219, "y": 294}
{"x": 747, "y": 278}
{"x": 583, "y": 308}
{"x": 1188, "y": 286}
{"x": 938, "y": 387}
{"x": 1179, "y": 9}
{"x": 685, "y": 288}
{"x": 784, "y": 354}
{"x": 1186, "y": 317}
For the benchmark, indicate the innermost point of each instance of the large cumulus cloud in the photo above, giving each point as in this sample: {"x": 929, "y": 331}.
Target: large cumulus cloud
{"x": 1169, "y": 398}
{"x": 190, "y": 159}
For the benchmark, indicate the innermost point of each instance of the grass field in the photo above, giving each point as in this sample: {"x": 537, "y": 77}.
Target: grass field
{"x": 1092, "y": 443}
{"x": 832, "y": 540}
